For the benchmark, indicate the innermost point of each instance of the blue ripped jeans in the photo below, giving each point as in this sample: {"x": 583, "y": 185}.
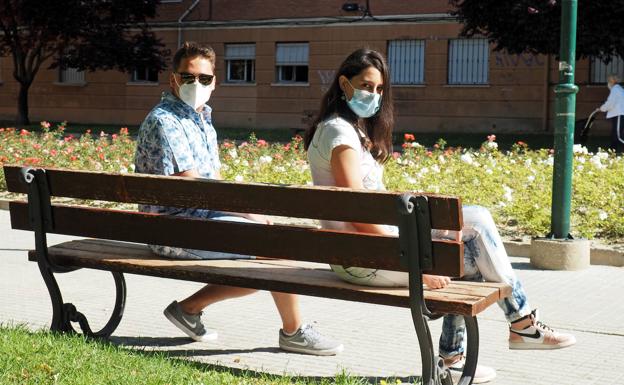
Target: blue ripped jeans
{"x": 485, "y": 258}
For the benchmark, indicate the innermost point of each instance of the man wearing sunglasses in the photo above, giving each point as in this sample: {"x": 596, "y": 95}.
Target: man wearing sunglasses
{"x": 177, "y": 138}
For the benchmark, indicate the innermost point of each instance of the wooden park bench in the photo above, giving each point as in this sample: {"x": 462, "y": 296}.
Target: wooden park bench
{"x": 280, "y": 248}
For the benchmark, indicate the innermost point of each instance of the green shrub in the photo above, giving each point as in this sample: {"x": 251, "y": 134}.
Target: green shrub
{"x": 515, "y": 185}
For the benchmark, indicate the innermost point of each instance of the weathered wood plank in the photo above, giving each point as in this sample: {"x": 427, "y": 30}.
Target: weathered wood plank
{"x": 276, "y": 241}
{"x": 317, "y": 202}
{"x": 464, "y": 298}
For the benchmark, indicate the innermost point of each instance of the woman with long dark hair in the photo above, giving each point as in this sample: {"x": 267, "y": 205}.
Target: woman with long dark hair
{"x": 347, "y": 145}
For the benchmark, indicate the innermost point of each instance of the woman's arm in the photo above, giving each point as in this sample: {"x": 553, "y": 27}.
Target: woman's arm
{"x": 345, "y": 165}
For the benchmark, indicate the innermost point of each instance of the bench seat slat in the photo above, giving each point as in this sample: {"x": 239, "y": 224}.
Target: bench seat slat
{"x": 277, "y": 241}
{"x": 305, "y": 278}
{"x": 314, "y": 202}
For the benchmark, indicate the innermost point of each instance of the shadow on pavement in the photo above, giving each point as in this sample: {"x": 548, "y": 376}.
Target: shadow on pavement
{"x": 135, "y": 344}
{"x": 523, "y": 266}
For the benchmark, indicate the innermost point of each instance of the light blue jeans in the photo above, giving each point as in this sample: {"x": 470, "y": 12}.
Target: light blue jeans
{"x": 485, "y": 259}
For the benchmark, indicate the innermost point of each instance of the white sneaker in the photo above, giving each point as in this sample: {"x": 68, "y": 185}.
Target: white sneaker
{"x": 456, "y": 363}
{"x": 530, "y": 333}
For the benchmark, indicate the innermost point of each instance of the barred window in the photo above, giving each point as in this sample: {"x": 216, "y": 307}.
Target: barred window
{"x": 468, "y": 61}
{"x": 71, "y": 75}
{"x": 599, "y": 70}
{"x": 406, "y": 59}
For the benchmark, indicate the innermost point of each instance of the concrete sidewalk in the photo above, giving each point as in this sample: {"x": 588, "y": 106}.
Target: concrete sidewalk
{"x": 379, "y": 340}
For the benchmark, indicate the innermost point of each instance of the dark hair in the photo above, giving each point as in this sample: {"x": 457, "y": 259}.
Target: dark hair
{"x": 378, "y": 128}
{"x": 190, "y": 50}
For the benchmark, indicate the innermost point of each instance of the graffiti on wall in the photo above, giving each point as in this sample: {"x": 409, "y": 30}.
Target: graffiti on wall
{"x": 524, "y": 59}
{"x": 326, "y": 77}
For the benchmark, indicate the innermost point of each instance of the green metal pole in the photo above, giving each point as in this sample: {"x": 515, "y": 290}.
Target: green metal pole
{"x": 565, "y": 107}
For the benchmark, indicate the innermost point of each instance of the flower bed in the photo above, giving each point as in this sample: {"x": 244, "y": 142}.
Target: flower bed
{"x": 516, "y": 185}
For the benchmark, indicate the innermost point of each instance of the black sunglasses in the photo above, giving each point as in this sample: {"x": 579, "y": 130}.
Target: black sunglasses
{"x": 187, "y": 78}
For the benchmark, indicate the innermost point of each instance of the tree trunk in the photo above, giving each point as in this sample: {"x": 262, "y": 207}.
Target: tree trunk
{"x": 22, "y": 105}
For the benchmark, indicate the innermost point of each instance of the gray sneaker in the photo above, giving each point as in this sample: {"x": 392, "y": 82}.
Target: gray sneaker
{"x": 309, "y": 341}
{"x": 190, "y": 324}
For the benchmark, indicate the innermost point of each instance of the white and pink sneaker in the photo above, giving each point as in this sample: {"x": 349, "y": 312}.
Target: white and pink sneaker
{"x": 530, "y": 333}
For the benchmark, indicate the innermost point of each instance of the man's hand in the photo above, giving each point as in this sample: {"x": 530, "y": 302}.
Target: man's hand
{"x": 436, "y": 281}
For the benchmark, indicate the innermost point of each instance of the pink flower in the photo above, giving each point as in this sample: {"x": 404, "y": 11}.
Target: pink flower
{"x": 409, "y": 137}
{"x": 262, "y": 143}
{"x": 395, "y": 155}
{"x": 491, "y": 138}
{"x": 45, "y": 124}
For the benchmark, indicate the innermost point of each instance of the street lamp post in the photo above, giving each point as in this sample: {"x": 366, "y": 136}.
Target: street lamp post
{"x": 565, "y": 93}
{"x": 558, "y": 250}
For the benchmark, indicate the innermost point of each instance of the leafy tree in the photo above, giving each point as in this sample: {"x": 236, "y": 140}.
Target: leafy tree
{"x": 83, "y": 34}
{"x": 534, "y": 25}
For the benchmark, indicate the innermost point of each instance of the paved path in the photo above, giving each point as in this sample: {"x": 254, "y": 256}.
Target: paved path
{"x": 379, "y": 340}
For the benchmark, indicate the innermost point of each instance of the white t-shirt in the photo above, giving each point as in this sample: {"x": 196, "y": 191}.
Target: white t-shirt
{"x": 614, "y": 106}
{"x": 330, "y": 134}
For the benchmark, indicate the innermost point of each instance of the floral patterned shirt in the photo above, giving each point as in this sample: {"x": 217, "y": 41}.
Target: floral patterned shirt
{"x": 174, "y": 138}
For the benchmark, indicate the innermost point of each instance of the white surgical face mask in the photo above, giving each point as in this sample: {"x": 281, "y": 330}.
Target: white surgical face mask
{"x": 363, "y": 103}
{"x": 195, "y": 94}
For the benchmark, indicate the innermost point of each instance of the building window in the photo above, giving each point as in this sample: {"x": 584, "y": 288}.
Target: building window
{"x": 468, "y": 61}
{"x": 144, "y": 75}
{"x": 406, "y": 59}
{"x": 240, "y": 61}
{"x": 291, "y": 61}
{"x": 71, "y": 75}
{"x": 599, "y": 70}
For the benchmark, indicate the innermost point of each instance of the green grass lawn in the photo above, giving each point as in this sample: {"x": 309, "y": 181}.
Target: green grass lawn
{"x": 48, "y": 358}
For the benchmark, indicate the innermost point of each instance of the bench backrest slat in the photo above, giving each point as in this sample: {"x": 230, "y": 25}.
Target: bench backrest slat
{"x": 288, "y": 242}
{"x": 292, "y": 201}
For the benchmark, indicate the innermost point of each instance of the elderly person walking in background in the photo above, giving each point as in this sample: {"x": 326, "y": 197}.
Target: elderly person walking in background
{"x": 614, "y": 107}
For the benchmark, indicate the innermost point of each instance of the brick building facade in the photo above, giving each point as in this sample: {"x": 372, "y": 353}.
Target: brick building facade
{"x": 275, "y": 58}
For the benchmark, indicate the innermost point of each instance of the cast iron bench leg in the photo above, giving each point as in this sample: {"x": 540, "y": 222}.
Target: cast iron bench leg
{"x": 472, "y": 351}
{"x": 63, "y": 314}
